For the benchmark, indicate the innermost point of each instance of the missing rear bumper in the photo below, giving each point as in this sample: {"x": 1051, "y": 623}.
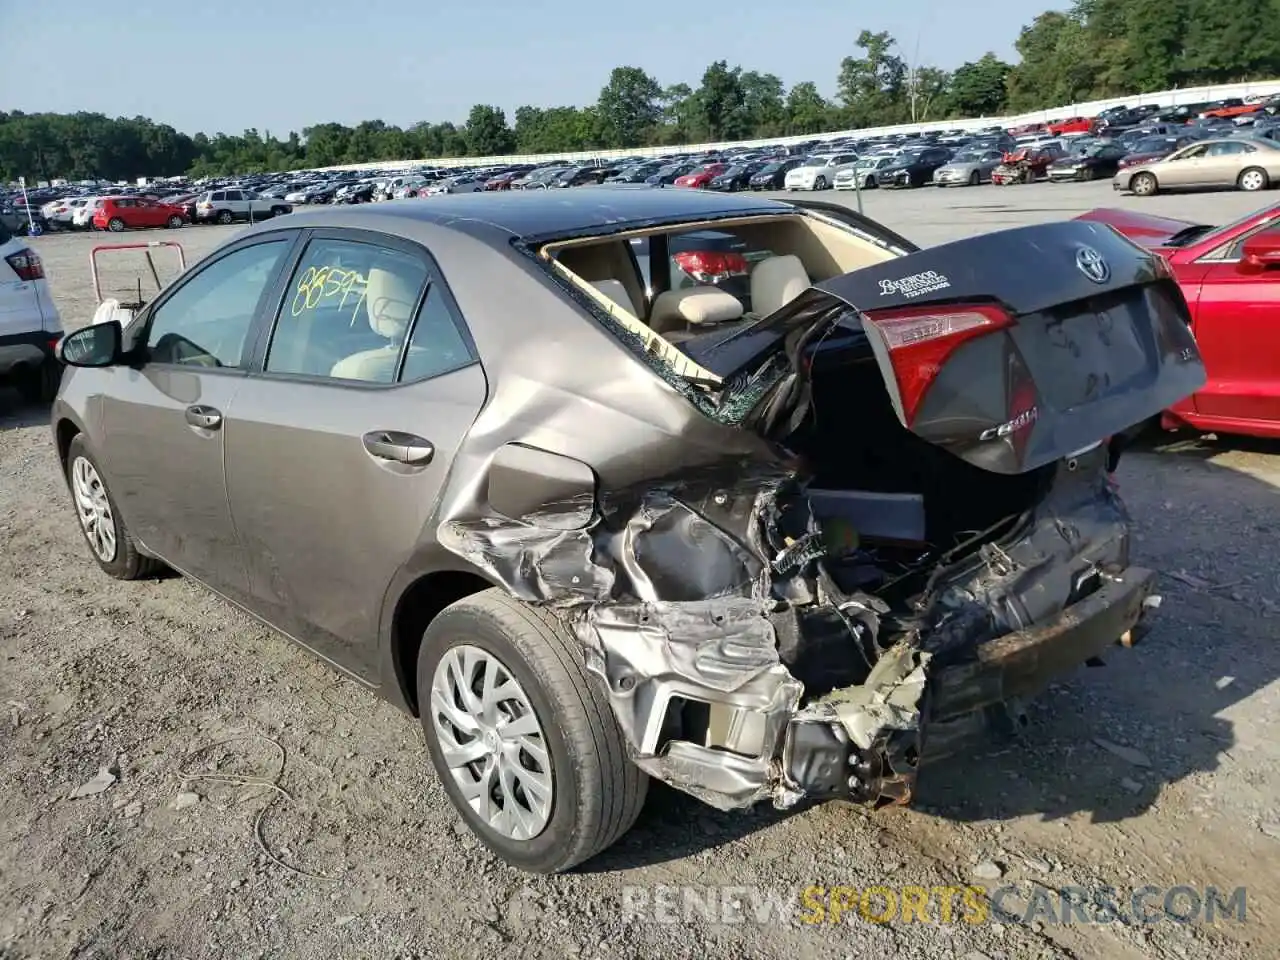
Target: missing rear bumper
{"x": 707, "y": 706}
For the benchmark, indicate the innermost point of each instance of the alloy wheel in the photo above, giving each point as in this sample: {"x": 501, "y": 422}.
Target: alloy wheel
{"x": 492, "y": 742}
{"x": 94, "y": 509}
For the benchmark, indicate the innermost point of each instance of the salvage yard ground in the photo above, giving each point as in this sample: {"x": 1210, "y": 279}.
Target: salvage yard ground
{"x": 1161, "y": 769}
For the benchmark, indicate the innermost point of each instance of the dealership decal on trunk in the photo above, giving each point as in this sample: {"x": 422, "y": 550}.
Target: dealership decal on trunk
{"x": 916, "y": 285}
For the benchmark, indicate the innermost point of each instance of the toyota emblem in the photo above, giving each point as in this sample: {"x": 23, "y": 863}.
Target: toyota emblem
{"x": 1092, "y": 265}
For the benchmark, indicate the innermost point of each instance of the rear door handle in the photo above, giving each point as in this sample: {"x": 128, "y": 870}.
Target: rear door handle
{"x": 399, "y": 447}
{"x": 206, "y": 418}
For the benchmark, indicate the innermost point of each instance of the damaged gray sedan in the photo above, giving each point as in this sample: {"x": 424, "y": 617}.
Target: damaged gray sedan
{"x": 752, "y": 497}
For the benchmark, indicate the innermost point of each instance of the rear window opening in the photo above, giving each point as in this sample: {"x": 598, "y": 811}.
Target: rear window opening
{"x": 674, "y": 283}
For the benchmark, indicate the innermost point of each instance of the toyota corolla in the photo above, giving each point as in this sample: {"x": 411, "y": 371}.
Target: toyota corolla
{"x": 593, "y": 525}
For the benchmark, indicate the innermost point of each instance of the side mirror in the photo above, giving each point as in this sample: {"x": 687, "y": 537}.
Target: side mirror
{"x": 97, "y": 345}
{"x": 1261, "y": 252}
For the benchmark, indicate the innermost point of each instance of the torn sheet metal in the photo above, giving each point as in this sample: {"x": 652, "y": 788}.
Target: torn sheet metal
{"x": 685, "y": 594}
{"x": 721, "y": 652}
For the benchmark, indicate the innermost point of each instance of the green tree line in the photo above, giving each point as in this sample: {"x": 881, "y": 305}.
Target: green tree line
{"x": 1095, "y": 50}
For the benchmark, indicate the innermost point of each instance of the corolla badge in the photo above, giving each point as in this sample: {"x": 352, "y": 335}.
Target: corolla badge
{"x": 1092, "y": 265}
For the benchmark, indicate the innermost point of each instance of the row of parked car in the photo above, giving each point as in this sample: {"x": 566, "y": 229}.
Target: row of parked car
{"x": 87, "y": 207}
{"x": 1222, "y": 143}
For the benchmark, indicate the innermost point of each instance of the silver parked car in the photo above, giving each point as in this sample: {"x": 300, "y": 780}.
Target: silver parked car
{"x": 861, "y": 175}
{"x": 1246, "y": 163}
{"x": 968, "y": 168}
{"x": 475, "y": 455}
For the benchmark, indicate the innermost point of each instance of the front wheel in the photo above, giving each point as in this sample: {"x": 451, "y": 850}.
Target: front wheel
{"x": 278, "y": 211}
{"x": 820, "y": 183}
{"x": 1144, "y": 185}
{"x": 110, "y": 542}
{"x": 975, "y": 178}
{"x": 1252, "y": 179}
{"x": 175, "y": 222}
{"x": 522, "y": 738}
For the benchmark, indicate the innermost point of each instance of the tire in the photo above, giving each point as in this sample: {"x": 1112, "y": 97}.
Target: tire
{"x": 124, "y": 561}
{"x": 40, "y": 386}
{"x": 278, "y": 211}
{"x": 115, "y": 225}
{"x": 174, "y": 222}
{"x": 1252, "y": 179}
{"x": 224, "y": 217}
{"x": 975, "y": 178}
{"x": 596, "y": 791}
{"x": 1144, "y": 185}
{"x": 820, "y": 183}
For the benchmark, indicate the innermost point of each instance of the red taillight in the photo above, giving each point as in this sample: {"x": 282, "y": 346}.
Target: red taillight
{"x": 710, "y": 266}
{"x": 920, "y": 339}
{"x": 26, "y": 265}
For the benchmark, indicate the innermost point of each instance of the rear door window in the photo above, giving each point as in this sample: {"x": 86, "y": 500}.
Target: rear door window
{"x": 347, "y": 311}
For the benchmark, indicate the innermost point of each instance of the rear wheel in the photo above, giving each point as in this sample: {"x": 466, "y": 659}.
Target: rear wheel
{"x": 523, "y": 740}
{"x": 115, "y": 225}
{"x": 280, "y": 211}
{"x": 109, "y": 540}
{"x": 224, "y": 217}
{"x": 175, "y": 222}
{"x": 1144, "y": 185}
{"x": 41, "y": 384}
{"x": 1252, "y": 179}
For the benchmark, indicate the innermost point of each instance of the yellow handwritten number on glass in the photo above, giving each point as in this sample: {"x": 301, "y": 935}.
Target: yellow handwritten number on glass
{"x": 321, "y": 283}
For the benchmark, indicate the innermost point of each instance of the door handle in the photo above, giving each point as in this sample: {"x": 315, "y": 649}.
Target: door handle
{"x": 206, "y": 418}
{"x": 399, "y": 447}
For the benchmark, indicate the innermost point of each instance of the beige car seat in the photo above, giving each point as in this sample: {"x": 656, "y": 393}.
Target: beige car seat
{"x": 676, "y": 312}
{"x": 388, "y": 301}
{"x": 616, "y": 291}
{"x": 775, "y": 282}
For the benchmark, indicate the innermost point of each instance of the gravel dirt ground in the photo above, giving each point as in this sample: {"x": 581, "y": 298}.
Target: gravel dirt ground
{"x": 319, "y": 831}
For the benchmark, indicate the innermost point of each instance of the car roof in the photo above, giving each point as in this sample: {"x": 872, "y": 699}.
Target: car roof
{"x": 534, "y": 213}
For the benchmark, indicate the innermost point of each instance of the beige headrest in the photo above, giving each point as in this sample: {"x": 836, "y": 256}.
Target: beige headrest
{"x": 693, "y": 306}
{"x": 389, "y": 300}
{"x": 775, "y": 282}
{"x": 617, "y": 292}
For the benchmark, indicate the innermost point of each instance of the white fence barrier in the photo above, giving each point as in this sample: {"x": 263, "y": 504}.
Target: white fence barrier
{"x": 1165, "y": 98}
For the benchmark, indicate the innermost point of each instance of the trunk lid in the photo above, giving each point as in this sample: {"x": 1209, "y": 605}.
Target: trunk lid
{"x": 1010, "y": 349}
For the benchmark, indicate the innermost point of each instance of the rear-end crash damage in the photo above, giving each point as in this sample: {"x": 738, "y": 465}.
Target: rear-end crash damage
{"x": 816, "y": 625}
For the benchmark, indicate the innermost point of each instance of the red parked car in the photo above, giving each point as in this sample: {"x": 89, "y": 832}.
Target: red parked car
{"x": 1061, "y": 128}
{"x": 1230, "y": 276}
{"x": 701, "y": 176}
{"x": 1231, "y": 109}
{"x": 503, "y": 180}
{"x": 118, "y": 213}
